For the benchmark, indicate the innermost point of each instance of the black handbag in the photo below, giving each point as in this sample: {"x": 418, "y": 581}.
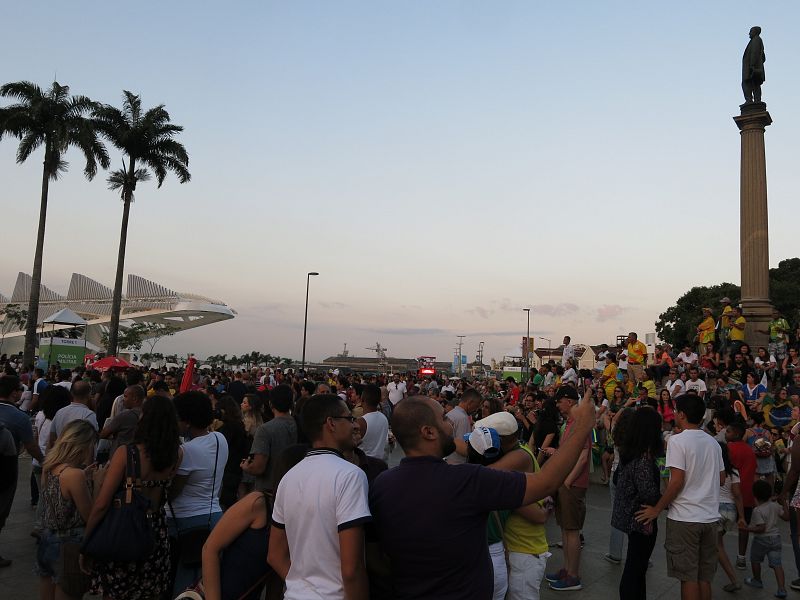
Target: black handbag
{"x": 191, "y": 539}
{"x": 126, "y": 533}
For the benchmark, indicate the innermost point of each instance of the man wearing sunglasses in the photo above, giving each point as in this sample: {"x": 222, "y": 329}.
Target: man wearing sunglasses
{"x": 316, "y": 543}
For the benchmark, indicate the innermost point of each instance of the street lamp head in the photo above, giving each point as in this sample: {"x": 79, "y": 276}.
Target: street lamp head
{"x": 527, "y": 309}
{"x": 313, "y": 273}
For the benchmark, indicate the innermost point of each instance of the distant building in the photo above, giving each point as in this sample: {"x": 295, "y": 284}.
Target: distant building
{"x": 371, "y": 364}
{"x": 585, "y": 355}
{"x": 144, "y": 302}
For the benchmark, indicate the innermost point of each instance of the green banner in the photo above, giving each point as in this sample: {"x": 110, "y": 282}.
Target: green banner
{"x": 67, "y": 352}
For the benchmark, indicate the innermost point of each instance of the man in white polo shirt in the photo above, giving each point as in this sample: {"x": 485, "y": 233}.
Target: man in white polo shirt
{"x": 317, "y": 540}
{"x": 397, "y": 390}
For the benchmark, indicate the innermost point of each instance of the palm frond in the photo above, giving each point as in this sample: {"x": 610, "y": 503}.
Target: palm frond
{"x": 121, "y": 180}
{"x": 28, "y": 144}
{"x": 132, "y": 106}
{"x": 57, "y": 168}
{"x": 24, "y": 91}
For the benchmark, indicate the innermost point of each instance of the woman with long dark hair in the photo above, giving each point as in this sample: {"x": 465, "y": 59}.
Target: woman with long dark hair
{"x": 157, "y": 443}
{"x": 238, "y": 448}
{"x": 731, "y": 512}
{"x": 638, "y": 483}
{"x": 616, "y": 427}
{"x": 666, "y": 408}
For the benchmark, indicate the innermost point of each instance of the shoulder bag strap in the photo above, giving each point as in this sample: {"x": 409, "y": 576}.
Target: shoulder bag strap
{"x": 131, "y": 472}
{"x": 214, "y": 480}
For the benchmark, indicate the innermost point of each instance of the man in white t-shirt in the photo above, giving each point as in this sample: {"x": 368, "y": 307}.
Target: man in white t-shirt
{"x": 397, "y": 390}
{"x": 449, "y": 387}
{"x": 695, "y": 384}
{"x": 569, "y": 351}
{"x": 316, "y": 544}
{"x": 694, "y": 459}
{"x": 686, "y": 359}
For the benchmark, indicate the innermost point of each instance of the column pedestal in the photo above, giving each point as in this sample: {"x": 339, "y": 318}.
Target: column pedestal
{"x": 753, "y": 222}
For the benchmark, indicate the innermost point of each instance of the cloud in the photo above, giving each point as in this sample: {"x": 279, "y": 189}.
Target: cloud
{"x": 262, "y": 307}
{"x": 505, "y": 333}
{"x": 410, "y": 331}
{"x": 482, "y": 312}
{"x": 556, "y": 310}
{"x": 333, "y": 305}
{"x": 410, "y": 307}
{"x": 609, "y": 311}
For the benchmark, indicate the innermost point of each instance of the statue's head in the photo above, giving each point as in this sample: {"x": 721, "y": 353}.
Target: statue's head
{"x": 754, "y": 31}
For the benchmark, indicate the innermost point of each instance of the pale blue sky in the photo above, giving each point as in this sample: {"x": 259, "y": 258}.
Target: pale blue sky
{"x": 442, "y": 164}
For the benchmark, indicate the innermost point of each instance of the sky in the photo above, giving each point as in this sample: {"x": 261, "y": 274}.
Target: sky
{"x": 441, "y": 164}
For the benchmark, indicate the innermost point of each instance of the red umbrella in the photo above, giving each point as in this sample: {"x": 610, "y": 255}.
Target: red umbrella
{"x": 188, "y": 376}
{"x": 110, "y": 362}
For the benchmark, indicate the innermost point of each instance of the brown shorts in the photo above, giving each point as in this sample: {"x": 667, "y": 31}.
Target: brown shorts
{"x": 571, "y": 507}
{"x": 691, "y": 550}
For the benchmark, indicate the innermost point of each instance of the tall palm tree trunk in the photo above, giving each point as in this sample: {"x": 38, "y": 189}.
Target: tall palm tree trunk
{"x": 36, "y": 276}
{"x": 116, "y": 302}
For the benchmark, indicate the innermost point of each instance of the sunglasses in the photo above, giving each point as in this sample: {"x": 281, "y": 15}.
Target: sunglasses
{"x": 350, "y": 418}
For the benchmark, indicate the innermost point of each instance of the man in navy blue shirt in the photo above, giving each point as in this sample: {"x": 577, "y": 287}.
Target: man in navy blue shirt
{"x": 431, "y": 517}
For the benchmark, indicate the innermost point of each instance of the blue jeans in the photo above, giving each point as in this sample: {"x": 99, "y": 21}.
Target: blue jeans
{"x": 187, "y": 575}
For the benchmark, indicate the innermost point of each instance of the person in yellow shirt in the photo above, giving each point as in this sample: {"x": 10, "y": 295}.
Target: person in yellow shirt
{"x": 705, "y": 331}
{"x": 609, "y": 377}
{"x": 637, "y": 357}
{"x": 725, "y": 324}
{"x": 736, "y": 334}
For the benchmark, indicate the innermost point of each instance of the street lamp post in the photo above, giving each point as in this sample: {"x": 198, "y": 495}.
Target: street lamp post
{"x": 549, "y": 346}
{"x": 305, "y": 321}
{"x": 528, "y": 348}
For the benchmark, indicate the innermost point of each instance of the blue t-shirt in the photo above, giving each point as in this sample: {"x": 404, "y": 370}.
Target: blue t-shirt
{"x": 431, "y": 519}
{"x": 17, "y": 422}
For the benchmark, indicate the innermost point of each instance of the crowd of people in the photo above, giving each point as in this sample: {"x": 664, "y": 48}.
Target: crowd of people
{"x": 276, "y": 483}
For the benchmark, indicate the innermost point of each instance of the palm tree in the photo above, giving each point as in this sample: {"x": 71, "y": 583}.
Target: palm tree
{"x": 55, "y": 120}
{"x": 147, "y": 139}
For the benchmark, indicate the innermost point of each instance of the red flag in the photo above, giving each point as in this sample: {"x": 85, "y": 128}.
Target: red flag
{"x": 188, "y": 376}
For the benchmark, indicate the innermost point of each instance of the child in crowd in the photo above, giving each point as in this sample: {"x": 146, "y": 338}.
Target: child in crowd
{"x": 766, "y": 538}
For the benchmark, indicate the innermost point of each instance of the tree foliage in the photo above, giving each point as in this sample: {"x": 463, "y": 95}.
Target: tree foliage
{"x": 677, "y": 325}
{"x": 133, "y": 337}
{"x": 54, "y": 121}
{"x": 148, "y": 139}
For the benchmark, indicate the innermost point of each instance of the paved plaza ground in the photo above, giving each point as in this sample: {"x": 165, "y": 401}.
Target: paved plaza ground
{"x": 600, "y": 578}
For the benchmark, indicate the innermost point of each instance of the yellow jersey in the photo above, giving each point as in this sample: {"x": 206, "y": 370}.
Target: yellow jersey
{"x": 726, "y": 319}
{"x": 636, "y": 353}
{"x": 736, "y": 334}
{"x": 519, "y": 534}
{"x": 707, "y": 330}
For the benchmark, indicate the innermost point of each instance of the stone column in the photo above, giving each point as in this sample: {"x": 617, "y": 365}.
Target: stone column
{"x": 753, "y": 227}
